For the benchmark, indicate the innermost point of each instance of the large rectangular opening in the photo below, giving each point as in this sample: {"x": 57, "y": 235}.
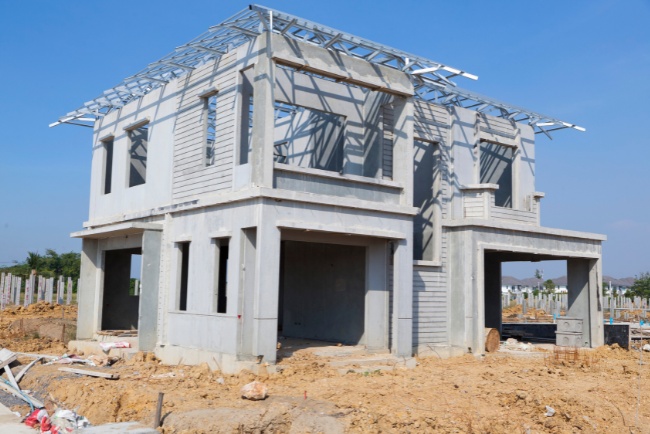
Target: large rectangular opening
{"x": 183, "y": 274}
{"x": 426, "y": 193}
{"x": 306, "y": 137}
{"x": 548, "y": 292}
{"x": 138, "y": 148}
{"x": 108, "y": 165}
{"x": 322, "y": 291}
{"x": 496, "y": 168}
{"x": 121, "y": 300}
{"x": 220, "y": 299}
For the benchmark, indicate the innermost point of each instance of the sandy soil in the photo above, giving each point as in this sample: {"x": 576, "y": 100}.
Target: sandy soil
{"x": 603, "y": 391}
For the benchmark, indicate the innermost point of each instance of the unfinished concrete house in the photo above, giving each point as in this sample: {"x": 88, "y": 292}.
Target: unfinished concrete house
{"x": 281, "y": 178}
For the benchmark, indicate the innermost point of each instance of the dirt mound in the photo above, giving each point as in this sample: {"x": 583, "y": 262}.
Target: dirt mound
{"x": 601, "y": 391}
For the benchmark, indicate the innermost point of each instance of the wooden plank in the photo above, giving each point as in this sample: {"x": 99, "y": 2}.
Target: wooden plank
{"x": 10, "y": 376}
{"x": 34, "y": 355}
{"x": 91, "y": 373}
{"x": 22, "y": 395}
{"x": 23, "y": 371}
{"x": 6, "y": 357}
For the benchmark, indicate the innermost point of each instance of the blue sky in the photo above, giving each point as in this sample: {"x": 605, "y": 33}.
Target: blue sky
{"x": 585, "y": 61}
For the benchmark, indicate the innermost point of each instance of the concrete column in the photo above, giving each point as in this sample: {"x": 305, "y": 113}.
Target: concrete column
{"x": 266, "y": 289}
{"x": 584, "y": 298}
{"x": 246, "y": 298}
{"x": 492, "y": 286}
{"x": 403, "y": 148}
{"x": 88, "y": 289}
{"x": 263, "y": 114}
{"x": 376, "y": 300}
{"x": 403, "y": 299}
{"x": 150, "y": 285}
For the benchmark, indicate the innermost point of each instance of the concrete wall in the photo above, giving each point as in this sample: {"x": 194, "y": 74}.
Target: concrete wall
{"x": 469, "y": 130}
{"x": 323, "y": 289}
{"x": 159, "y": 107}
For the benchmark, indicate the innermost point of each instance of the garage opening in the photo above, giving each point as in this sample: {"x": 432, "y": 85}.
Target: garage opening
{"x": 549, "y": 305}
{"x": 121, "y": 300}
{"x": 322, "y": 292}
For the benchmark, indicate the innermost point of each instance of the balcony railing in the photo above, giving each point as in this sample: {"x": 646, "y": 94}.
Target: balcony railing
{"x": 478, "y": 203}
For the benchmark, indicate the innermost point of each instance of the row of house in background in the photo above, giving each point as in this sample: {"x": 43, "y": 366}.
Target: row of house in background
{"x": 514, "y": 285}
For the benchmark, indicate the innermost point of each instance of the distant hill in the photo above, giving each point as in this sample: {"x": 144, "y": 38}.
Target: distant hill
{"x": 562, "y": 281}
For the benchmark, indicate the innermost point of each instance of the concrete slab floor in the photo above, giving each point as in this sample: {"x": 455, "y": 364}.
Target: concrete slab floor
{"x": 10, "y": 423}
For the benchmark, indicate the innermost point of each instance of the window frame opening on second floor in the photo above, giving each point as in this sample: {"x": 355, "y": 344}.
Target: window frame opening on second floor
{"x": 427, "y": 197}
{"x": 496, "y": 166}
{"x": 107, "y": 164}
{"x": 209, "y": 119}
{"x": 138, "y": 135}
{"x": 319, "y": 146}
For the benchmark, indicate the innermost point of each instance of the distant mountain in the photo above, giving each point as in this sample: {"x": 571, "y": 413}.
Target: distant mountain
{"x": 562, "y": 281}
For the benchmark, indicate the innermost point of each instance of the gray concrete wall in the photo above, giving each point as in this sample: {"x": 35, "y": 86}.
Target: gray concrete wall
{"x": 159, "y": 107}
{"x": 149, "y": 290}
{"x": 324, "y": 289}
{"x": 87, "y": 290}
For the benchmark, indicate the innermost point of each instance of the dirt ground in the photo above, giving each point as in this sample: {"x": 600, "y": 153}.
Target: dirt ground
{"x": 603, "y": 391}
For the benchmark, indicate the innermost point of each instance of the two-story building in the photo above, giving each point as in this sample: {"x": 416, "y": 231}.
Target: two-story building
{"x": 282, "y": 178}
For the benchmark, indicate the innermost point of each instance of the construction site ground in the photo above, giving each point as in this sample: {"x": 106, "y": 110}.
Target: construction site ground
{"x": 599, "y": 391}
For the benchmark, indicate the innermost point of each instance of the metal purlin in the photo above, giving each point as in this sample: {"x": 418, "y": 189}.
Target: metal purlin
{"x": 432, "y": 81}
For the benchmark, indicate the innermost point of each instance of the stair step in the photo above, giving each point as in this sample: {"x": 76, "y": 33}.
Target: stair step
{"x": 367, "y": 369}
{"x": 365, "y": 361}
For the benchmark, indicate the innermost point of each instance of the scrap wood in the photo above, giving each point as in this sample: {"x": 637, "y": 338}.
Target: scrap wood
{"x": 6, "y": 357}
{"x": 91, "y": 373}
{"x": 44, "y": 356}
{"x": 22, "y": 395}
{"x": 23, "y": 371}
{"x": 10, "y": 376}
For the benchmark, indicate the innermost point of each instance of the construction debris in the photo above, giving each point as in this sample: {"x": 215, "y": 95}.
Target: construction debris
{"x": 106, "y": 346}
{"x": 255, "y": 391}
{"x": 63, "y": 421}
{"x": 91, "y": 373}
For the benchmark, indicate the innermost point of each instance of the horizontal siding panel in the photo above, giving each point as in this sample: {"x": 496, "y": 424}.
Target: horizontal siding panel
{"x": 191, "y": 176}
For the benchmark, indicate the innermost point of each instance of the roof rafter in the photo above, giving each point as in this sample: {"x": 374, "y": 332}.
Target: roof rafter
{"x": 431, "y": 79}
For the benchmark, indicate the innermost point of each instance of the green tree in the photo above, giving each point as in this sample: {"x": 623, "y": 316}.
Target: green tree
{"x": 34, "y": 261}
{"x": 641, "y": 286}
{"x": 549, "y": 286}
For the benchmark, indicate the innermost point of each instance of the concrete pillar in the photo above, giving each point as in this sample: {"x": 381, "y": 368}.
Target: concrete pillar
{"x": 88, "y": 289}
{"x": 149, "y": 290}
{"x": 376, "y": 300}
{"x": 492, "y": 286}
{"x": 403, "y": 298}
{"x": 266, "y": 290}
{"x": 246, "y": 298}
{"x": 584, "y": 298}
{"x": 263, "y": 115}
{"x": 403, "y": 148}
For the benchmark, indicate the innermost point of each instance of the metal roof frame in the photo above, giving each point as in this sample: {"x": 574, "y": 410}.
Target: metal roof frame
{"x": 432, "y": 80}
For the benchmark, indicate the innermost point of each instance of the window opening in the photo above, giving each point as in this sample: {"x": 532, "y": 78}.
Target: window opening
{"x": 138, "y": 140}
{"x": 388, "y": 121}
{"x": 184, "y": 252}
{"x": 108, "y": 165}
{"x": 425, "y": 191}
{"x": 307, "y": 137}
{"x": 210, "y": 116}
{"x": 496, "y": 168}
{"x": 221, "y": 275}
